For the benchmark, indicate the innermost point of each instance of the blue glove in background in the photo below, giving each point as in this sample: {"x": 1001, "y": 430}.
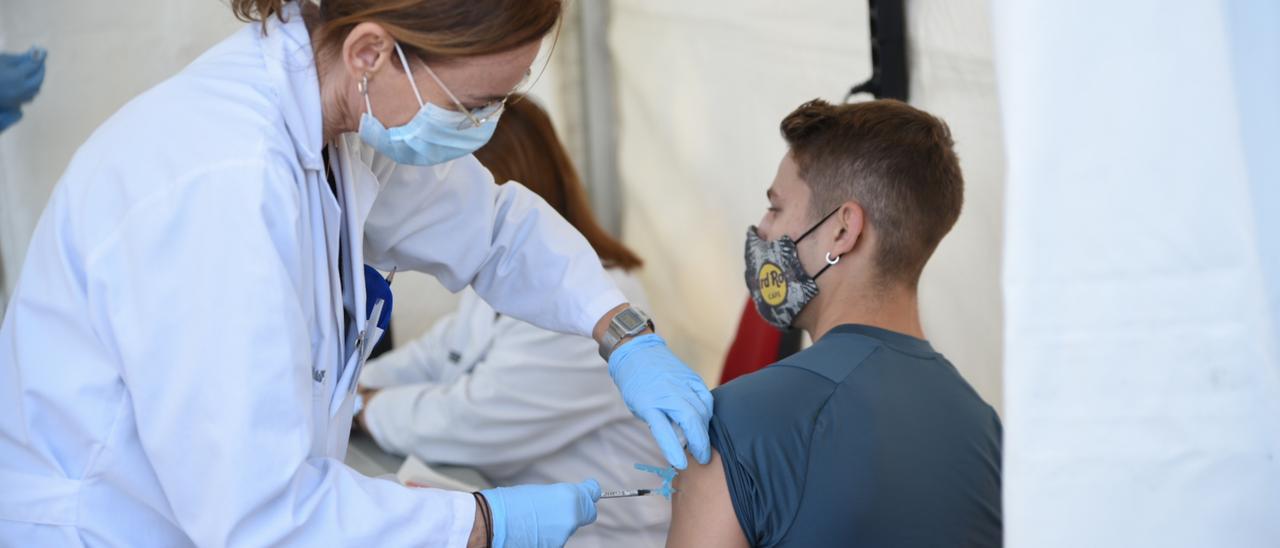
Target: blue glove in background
{"x": 661, "y": 389}
{"x": 528, "y": 516}
{"x": 20, "y": 77}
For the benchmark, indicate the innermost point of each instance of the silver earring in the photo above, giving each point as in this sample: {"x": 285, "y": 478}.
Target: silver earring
{"x": 831, "y": 261}
{"x": 363, "y": 86}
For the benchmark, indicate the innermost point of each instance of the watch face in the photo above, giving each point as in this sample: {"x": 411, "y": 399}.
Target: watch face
{"x": 630, "y": 320}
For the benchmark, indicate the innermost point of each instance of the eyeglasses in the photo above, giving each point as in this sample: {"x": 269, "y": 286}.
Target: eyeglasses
{"x": 480, "y": 115}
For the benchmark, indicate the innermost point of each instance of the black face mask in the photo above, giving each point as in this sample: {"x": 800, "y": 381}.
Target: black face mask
{"x": 778, "y": 283}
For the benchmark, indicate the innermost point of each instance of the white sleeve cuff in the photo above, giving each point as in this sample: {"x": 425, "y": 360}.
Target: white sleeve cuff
{"x": 597, "y": 308}
{"x": 462, "y": 506}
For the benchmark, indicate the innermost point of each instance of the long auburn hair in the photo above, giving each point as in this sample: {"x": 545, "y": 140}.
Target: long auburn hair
{"x": 525, "y": 148}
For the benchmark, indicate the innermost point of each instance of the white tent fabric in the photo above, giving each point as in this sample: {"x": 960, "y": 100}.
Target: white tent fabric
{"x": 1142, "y": 378}
{"x": 702, "y": 87}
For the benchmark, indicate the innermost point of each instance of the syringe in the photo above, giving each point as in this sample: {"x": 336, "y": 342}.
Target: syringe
{"x": 627, "y": 493}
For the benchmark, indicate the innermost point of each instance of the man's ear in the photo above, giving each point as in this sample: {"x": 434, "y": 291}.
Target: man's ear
{"x": 367, "y": 49}
{"x": 851, "y": 221}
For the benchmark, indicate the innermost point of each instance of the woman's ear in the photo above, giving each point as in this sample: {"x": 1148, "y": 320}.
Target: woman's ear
{"x": 367, "y": 49}
{"x": 851, "y": 221}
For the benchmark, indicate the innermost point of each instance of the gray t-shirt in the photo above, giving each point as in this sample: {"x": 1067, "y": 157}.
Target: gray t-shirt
{"x": 867, "y": 438}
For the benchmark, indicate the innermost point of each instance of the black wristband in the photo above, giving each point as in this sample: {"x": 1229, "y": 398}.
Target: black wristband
{"x": 486, "y": 515}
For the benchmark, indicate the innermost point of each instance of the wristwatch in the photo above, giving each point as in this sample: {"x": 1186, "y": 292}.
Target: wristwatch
{"x": 628, "y": 323}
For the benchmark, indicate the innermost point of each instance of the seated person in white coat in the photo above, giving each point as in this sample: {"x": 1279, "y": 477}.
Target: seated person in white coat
{"x": 519, "y": 403}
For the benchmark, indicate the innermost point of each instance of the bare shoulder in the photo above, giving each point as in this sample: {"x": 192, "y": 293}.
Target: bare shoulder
{"x": 701, "y": 510}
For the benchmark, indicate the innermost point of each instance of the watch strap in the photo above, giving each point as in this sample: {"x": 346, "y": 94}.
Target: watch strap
{"x": 617, "y": 331}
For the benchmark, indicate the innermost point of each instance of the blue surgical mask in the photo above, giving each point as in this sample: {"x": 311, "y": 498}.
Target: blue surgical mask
{"x": 434, "y": 136}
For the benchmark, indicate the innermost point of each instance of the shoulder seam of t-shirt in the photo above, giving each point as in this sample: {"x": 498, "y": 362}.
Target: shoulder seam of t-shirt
{"x": 808, "y": 462}
{"x": 850, "y": 365}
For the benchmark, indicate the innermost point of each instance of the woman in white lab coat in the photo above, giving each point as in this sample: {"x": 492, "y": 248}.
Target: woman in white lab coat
{"x": 519, "y": 403}
{"x": 178, "y": 361}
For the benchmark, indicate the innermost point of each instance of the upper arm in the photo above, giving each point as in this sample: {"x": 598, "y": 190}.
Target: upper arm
{"x": 522, "y": 257}
{"x": 749, "y": 492}
{"x": 701, "y": 511}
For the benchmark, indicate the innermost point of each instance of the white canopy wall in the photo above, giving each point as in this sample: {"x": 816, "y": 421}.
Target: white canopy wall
{"x": 702, "y": 87}
{"x": 1142, "y": 382}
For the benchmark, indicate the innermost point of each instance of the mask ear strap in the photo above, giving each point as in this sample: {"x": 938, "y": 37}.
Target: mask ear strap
{"x": 817, "y": 224}
{"x": 408, "y": 72}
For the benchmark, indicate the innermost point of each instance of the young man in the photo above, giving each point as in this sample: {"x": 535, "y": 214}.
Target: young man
{"x": 870, "y": 437}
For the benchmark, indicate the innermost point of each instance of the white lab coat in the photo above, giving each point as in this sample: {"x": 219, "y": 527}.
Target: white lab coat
{"x": 521, "y": 405}
{"x": 173, "y": 359}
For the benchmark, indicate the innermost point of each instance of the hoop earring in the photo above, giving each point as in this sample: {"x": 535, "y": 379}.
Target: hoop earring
{"x": 831, "y": 261}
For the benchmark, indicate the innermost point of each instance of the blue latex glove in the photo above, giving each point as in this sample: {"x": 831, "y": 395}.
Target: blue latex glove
{"x": 528, "y": 516}
{"x": 660, "y": 389}
{"x": 20, "y": 77}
